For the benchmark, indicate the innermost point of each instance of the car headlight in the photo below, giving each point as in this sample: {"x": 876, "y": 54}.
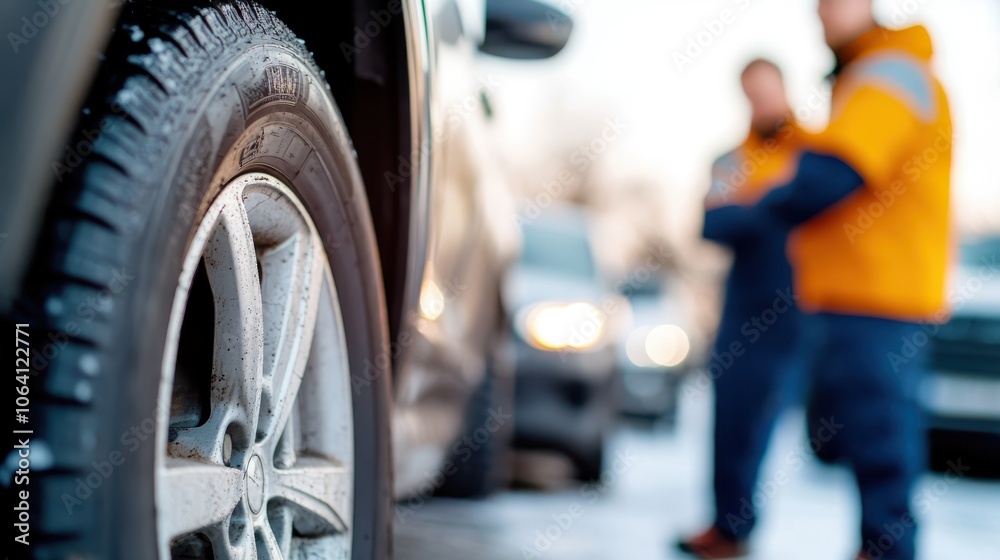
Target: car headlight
{"x": 562, "y": 326}
{"x": 663, "y": 345}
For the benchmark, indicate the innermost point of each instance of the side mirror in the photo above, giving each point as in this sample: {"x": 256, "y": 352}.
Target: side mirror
{"x": 525, "y": 29}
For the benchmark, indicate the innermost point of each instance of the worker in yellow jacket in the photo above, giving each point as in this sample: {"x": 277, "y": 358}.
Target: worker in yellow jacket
{"x": 761, "y": 347}
{"x": 869, "y": 205}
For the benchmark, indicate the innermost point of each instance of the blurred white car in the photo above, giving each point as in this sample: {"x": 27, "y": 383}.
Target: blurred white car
{"x": 656, "y": 351}
{"x": 961, "y": 395}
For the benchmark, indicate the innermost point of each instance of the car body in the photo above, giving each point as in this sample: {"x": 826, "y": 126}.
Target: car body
{"x": 565, "y": 319}
{"x": 415, "y": 119}
{"x": 459, "y": 321}
{"x": 962, "y": 393}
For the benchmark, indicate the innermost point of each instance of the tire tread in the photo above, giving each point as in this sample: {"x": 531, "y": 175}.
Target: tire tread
{"x": 157, "y": 49}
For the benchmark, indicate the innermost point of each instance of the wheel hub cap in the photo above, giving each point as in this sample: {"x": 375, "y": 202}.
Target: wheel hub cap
{"x": 255, "y": 484}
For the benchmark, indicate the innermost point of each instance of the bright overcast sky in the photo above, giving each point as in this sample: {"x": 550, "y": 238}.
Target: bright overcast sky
{"x": 622, "y": 61}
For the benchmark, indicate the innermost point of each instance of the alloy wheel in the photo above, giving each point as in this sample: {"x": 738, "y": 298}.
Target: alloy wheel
{"x": 254, "y": 423}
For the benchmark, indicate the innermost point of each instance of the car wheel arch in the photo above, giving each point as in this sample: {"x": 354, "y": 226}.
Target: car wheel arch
{"x": 377, "y": 64}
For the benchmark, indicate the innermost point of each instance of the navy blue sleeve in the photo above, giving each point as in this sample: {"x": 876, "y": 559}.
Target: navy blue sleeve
{"x": 821, "y": 182}
{"x": 731, "y": 224}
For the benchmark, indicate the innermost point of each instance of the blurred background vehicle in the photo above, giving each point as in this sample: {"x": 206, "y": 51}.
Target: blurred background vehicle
{"x": 657, "y": 350}
{"x": 962, "y": 393}
{"x": 273, "y": 241}
{"x": 565, "y": 322}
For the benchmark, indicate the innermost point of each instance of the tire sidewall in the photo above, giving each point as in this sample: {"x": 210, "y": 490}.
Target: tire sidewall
{"x": 207, "y": 141}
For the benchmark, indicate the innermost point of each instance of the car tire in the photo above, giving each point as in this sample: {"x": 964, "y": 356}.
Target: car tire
{"x": 476, "y": 468}
{"x": 189, "y": 102}
{"x": 590, "y": 463}
{"x": 589, "y": 453}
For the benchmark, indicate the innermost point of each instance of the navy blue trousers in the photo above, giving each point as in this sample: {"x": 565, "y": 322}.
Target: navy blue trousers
{"x": 864, "y": 372}
{"x": 767, "y": 360}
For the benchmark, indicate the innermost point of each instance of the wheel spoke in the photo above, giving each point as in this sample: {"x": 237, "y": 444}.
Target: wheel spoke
{"x": 203, "y": 443}
{"x": 280, "y": 519}
{"x": 222, "y": 547}
{"x": 319, "y": 492}
{"x": 285, "y": 453}
{"x": 256, "y": 459}
{"x": 293, "y": 275}
{"x": 231, "y": 262}
{"x": 267, "y": 544}
{"x": 197, "y": 495}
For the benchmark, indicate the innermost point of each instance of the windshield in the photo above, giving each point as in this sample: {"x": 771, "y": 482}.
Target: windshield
{"x": 565, "y": 252}
{"x": 981, "y": 251}
{"x": 650, "y": 286}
